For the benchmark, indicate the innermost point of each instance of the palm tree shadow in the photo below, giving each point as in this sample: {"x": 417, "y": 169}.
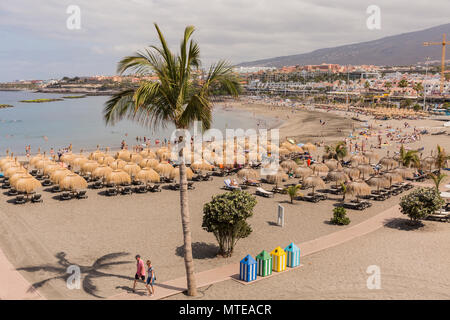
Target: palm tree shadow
{"x": 404, "y": 224}
{"x": 87, "y": 273}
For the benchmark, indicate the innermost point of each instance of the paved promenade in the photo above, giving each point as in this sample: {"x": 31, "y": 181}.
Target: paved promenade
{"x": 229, "y": 271}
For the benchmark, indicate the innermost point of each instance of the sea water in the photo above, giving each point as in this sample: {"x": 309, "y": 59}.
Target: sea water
{"x": 80, "y": 122}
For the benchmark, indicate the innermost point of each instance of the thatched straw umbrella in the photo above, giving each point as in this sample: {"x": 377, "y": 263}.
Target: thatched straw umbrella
{"x": 372, "y": 156}
{"x": 48, "y": 169}
{"x": 313, "y": 182}
{"x": 18, "y": 175}
{"x": 73, "y": 182}
{"x": 175, "y": 173}
{"x": 78, "y": 161}
{"x": 149, "y": 163}
{"x": 89, "y": 166}
{"x": 27, "y": 184}
{"x": 337, "y": 176}
{"x": 303, "y": 172}
{"x": 405, "y": 173}
{"x": 35, "y": 159}
{"x": 7, "y": 162}
{"x": 204, "y": 165}
{"x": 57, "y": 175}
{"x": 118, "y": 164}
{"x": 295, "y": 148}
{"x": 41, "y": 164}
{"x": 378, "y": 181}
{"x": 283, "y": 151}
{"x": 309, "y": 147}
{"x": 389, "y": 163}
{"x": 358, "y": 188}
{"x": 123, "y": 155}
{"x": 277, "y": 178}
{"x": 289, "y": 165}
{"x": 118, "y": 177}
{"x": 359, "y": 159}
{"x": 131, "y": 168}
{"x": 164, "y": 169}
{"x": 161, "y": 152}
{"x": 352, "y": 172}
{"x": 97, "y": 154}
{"x": 365, "y": 169}
{"x": 136, "y": 158}
{"x": 319, "y": 168}
{"x": 393, "y": 177}
{"x": 149, "y": 154}
{"x": 248, "y": 173}
{"x": 14, "y": 169}
{"x": 67, "y": 157}
{"x": 101, "y": 171}
{"x": 147, "y": 175}
{"x": 332, "y": 164}
{"x": 106, "y": 160}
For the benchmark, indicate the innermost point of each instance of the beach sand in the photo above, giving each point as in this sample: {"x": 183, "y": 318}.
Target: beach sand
{"x": 42, "y": 240}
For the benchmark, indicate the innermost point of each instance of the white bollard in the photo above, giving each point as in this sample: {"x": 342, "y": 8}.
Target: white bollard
{"x": 280, "y": 220}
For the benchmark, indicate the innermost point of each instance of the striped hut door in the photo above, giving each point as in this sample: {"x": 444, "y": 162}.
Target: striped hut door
{"x": 283, "y": 262}
{"x": 242, "y": 276}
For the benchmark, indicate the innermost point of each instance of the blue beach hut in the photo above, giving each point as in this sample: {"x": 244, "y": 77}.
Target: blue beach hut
{"x": 293, "y": 255}
{"x": 248, "y": 269}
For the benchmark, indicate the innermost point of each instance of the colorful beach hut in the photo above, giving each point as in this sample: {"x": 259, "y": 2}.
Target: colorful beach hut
{"x": 264, "y": 260}
{"x": 278, "y": 259}
{"x": 293, "y": 255}
{"x": 248, "y": 269}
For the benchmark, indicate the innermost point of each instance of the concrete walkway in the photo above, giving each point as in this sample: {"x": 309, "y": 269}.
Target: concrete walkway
{"x": 13, "y": 285}
{"x": 229, "y": 271}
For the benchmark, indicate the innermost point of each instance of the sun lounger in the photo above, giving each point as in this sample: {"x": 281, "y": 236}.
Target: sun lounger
{"x": 206, "y": 177}
{"x": 19, "y": 200}
{"x": 154, "y": 188}
{"x": 111, "y": 192}
{"x": 252, "y": 183}
{"x": 36, "y": 198}
{"x": 197, "y": 178}
{"x": 97, "y": 185}
{"x": 140, "y": 189}
{"x": 229, "y": 186}
{"x": 56, "y": 189}
{"x": 6, "y": 185}
{"x": 308, "y": 198}
{"x": 40, "y": 176}
{"x": 220, "y": 173}
{"x": 65, "y": 196}
{"x": 443, "y": 216}
{"x": 81, "y": 194}
{"x": 318, "y": 196}
{"x": 12, "y": 192}
{"x": 264, "y": 193}
{"x": 33, "y": 172}
{"x": 279, "y": 190}
{"x": 46, "y": 183}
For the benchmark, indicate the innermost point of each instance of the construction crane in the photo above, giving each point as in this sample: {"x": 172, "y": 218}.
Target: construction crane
{"x": 443, "y": 44}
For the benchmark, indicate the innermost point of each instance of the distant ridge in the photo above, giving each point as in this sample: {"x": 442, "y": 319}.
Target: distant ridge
{"x": 402, "y": 49}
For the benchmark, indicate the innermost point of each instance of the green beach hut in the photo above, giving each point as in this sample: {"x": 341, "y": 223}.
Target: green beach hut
{"x": 264, "y": 260}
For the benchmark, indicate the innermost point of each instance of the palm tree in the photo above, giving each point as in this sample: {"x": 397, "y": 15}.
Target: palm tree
{"x": 174, "y": 99}
{"x": 338, "y": 151}
{"x": 441, "y": 158}
{"x": 437, "y": 179}
{"x": 409, "y": 157}
{"x": 293, "y": 191}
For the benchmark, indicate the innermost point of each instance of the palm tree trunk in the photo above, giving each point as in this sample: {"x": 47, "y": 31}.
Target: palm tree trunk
{"x": 185, "y": 218}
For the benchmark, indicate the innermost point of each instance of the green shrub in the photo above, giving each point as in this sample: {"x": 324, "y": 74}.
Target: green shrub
{"x": 420, "y": 203}
{"x": 340, "y": 216}
{"x": 225, "y": 216}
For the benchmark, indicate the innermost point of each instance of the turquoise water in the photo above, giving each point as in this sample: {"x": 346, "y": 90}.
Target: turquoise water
{"x": 79, "y": 121}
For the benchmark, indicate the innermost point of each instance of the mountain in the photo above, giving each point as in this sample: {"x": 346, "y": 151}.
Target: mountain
{"x": 402, "y": 49}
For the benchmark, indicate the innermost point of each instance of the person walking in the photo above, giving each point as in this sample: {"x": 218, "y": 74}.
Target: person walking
{"x": 140, "y": 271}
{"x": 151, "y": 277}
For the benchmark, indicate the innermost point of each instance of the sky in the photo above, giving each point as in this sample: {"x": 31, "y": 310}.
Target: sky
{"x": 35, "y": 42}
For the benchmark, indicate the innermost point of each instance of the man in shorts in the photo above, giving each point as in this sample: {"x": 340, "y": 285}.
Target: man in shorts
{"x": 140, "y": 271}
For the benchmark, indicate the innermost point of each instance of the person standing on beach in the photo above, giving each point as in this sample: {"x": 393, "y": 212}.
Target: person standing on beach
{"x": 140, "y": 271}
{"x": 151, "y": 277}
